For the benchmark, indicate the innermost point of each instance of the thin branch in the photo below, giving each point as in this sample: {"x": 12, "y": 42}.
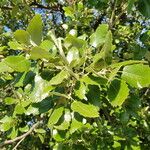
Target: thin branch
{"x": 15, "y": 148}
{"x": 118, "y": 17}
{"x": 113, "y": 14}
{"x": 19, "y": 137}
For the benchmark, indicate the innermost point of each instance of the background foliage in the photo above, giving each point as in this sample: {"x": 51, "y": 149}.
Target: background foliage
{"x": 75, "y": 74}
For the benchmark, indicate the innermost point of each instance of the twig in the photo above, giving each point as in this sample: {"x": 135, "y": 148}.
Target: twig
{"x": 118, "y": 17}
{"x": 19, "y": 137}
{"x": 112, "y": 15}
{"x": 15, "y": 148}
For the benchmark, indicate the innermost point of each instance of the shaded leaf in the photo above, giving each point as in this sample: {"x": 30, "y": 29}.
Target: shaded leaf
{"x": 118, "y": 92}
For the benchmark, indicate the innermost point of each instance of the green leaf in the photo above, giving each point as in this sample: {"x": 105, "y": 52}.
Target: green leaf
{"x": 2, "y": 48}
{"x": 117, "y": 92}
{"x": 56, "y": 114}
{"x": 22, "y": 36}
{"x": 19, "y": 109}
{"x": 85, "y": 110}
{"x": 15, "y": 45}
{"x": 14, "y": 133}
{"x": 80, "y": 90}
{"x": 43, "y": 106}
{"x": 144, "y": 7}
{"x": 69, "y": 12}
{"x": 32, "y": 110}
{"x": 5, "y": 68}
{"x": 39, "y": 53}
{"x": 7, "y": 123}
{"x": 24, "y": 129}
{"x": 35, "y": 29}
{"x": 10, "y": 100}
{"x": 104, "y": 57}
{"x": 137, "y": 75}
{"x": 75, "y": 125}
{"x": 99, "y": 36}
{"x": 39, "y": 130}
{"x": 93, "y": 80}
{"x": 66, "y": 121}
{"x": 39, "y": 93}
{"x": 17, "y": 63}
{"x": 73, "y": 54}
{"x": 47, "y": 45}
{"x": 59, "y": 78}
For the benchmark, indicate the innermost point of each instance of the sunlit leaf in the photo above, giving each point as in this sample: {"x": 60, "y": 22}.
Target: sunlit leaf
{"x": 17, "y": 63}
{"x": 118, "y": 92}
{"x": 99, "y": 36}
{"x": 86, "y": 110}
{"x": 137, "y": 75}
{"x": 54, "y": 117}
{"x": 22, "y": 36}
{"x": 35, "y": 29}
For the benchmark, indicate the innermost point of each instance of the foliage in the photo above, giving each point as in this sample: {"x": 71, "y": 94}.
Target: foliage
{"x": 75, "y": 74}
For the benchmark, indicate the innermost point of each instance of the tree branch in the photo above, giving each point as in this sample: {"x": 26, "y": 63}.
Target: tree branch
{"x": 19, "y": 137}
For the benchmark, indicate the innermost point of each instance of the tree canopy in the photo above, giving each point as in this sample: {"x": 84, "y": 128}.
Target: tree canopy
{"x": 74, "y": 74}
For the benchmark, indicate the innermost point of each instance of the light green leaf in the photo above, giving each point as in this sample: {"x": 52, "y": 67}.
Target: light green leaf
{"x": 39, "y": 53}
{"x": 39, "y": 93}
{"x": 22, "y": 36}
{"x": 137, "y": 75}
{"x": 99, "y": 36}
{"x": 32, "y": 110}
{"x": 39, "y": 130}
{"x": 2, "y": 48}
{"x": 80, "y": 90}
{"x": 24, "y": 129}
{"x": 35, "y": 29}
{"x": 75, "y": 125}
{"x": 47, "y": 45}
{"x": 117, "y": 92}
{"x": 19, "y": 109}
{"x": 69, "y": 12}
{"x": 5, "y": 68}
{"x": 93, "y": 80}
{"x": 17, "y": 63}
{"x": 73, "y": 54}
{"x": 86, "y": 110}
{"x": 56, "y": 114}
{"x": 15, "y": 45}
{"x": 14, "y": 133}
{"x": 59, "y": 78}
{"x": 66, "y": 121}
{"x": 10, "y": 100}
{"x": 7, "y": 123}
